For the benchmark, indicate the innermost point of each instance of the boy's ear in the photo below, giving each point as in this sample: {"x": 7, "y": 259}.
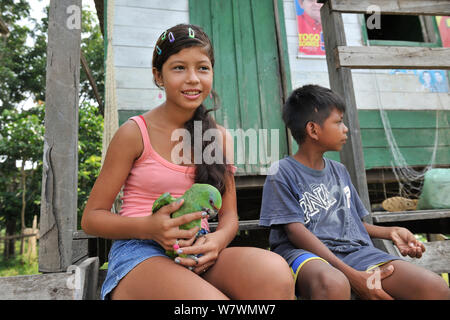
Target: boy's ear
{"x": 311, "y": 130}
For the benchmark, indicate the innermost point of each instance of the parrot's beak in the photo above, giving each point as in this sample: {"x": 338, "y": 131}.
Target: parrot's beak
{"x": 212, "y": 212}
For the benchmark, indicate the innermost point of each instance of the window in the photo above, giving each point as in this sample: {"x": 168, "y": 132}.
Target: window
{"x": 403, "y": 30}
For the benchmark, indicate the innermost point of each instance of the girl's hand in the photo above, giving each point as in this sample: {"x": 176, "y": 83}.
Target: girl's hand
{"x": 160, "y": 227}
{"x": 367, "y": 284}
{"x": 406, "y": 242}
{"x": 207, "y": 246}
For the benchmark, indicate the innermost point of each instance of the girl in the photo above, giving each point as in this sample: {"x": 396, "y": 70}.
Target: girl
{"x": 139, "y": 157}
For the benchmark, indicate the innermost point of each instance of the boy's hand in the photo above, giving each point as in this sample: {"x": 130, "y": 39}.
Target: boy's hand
{"x": 406, "y": 242}
{"x": 367, "y": 284}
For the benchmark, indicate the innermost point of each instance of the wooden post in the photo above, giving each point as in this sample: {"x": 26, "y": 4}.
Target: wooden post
{"x": 59, "y": 179}
{"x": 341, "y": 82}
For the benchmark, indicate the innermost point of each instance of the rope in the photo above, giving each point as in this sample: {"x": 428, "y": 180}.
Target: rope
{"x": 410, "y": 180}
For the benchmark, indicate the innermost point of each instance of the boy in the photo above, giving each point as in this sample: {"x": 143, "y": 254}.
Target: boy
{"x": 315, "y": 216}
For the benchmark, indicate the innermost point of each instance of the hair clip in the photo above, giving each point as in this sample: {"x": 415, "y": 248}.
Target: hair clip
{"x": 191, "y": 33}
{"x": 171, "y": 37}
{"x": 163, "y": 37}
{"x": 158, "y": 50}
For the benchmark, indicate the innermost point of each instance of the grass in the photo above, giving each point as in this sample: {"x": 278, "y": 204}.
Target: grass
{"x": 19, "y": 264}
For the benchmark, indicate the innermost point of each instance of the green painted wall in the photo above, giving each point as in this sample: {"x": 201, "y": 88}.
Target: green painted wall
{"x": 247, "y": 73}
{"x": 414, "y": 133}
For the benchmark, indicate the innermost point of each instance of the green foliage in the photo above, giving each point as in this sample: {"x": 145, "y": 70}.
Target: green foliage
{"x": 19, "y": 264}
{"x": 93, "y": 48}
{"x": 22, "y": 139}
{"x": 22, "y": 75}
{"x": 89, "y": 152}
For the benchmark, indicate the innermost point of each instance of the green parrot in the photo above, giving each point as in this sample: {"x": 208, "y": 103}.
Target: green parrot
{"x": 199, "y": 197}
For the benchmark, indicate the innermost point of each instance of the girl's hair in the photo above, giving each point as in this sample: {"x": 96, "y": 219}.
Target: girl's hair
{"x": 171, "y": 42}
{"x": 309, "y": 103}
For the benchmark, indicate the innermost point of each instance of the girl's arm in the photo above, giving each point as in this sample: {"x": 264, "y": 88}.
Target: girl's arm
{"x": 125, "y": 147}
{"x": 301, "y": 237}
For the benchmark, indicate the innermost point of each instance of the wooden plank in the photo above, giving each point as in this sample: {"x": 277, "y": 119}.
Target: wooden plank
{"x": 416, "y": 138}
{"x": 341, "y": 82}
{"x": 270, "y": 84}
{"x": 36, "y": 287}
{"x": 400, "y": 7}
{"x": 410, "y": 215}
{"x": 59, "y": 181}
{"x": 243, "y": 225}
{"x": 386, "y": 57}
{"x": 79, "y": 250}
{"x": 78, "y": 283}
{"x": 247, "y": 71}
{"x": 405, "y": 119}
{"x": 382, "y": 157}
{"x": 435, "y": 258}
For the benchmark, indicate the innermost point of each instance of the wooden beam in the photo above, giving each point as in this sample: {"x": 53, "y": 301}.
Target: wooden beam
{"x": 60, "y": 166}
{"x": 399, "y": 7}
{"x": 341, "y": 82}
{"x": 91, "y": 79}
{"x": 3, "y": 28}
{"x": 99, "y": 7}
{"x": 381, "y": 57}
{"x": 410, "y": 215}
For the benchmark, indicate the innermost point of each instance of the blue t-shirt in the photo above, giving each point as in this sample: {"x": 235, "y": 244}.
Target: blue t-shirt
{"x": 326, "y": 203}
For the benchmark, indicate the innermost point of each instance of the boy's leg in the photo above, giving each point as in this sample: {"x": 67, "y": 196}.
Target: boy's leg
{"x": 318, "y": 280}
{"x": 251, "y": 273}
{"x": 413, "y": 282}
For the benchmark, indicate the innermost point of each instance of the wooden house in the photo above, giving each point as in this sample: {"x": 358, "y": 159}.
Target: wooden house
{"x": 257, "y": 66}
{"x": 258, "y": 63}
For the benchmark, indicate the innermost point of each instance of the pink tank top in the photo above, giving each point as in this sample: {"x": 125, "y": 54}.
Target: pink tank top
{"x": 151, "y": 176}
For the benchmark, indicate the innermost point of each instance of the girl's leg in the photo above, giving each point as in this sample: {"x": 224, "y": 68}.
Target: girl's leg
{"x": 251, "y": 273}
{"x": 413, "y": 282}
{"x": 161, "y": 278}
{"x": 317, "y": 280}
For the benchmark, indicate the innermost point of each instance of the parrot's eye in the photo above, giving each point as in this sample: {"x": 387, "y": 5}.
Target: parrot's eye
{"x": 211, "y": 202}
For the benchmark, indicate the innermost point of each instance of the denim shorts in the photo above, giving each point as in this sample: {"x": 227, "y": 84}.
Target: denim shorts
{"x": 124, "y": 256}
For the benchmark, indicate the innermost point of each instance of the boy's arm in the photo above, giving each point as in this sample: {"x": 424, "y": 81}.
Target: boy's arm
{"x": 301, "y": 237}
{"x": 402, "y": 238}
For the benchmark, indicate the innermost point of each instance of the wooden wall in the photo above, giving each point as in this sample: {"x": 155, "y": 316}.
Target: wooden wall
{"x": 138, "y": 23}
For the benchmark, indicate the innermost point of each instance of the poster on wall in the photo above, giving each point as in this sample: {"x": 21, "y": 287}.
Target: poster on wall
{"x": 310, "y": 33}
{"x": 444, "y": 29}
{"x": 433, "y": 80}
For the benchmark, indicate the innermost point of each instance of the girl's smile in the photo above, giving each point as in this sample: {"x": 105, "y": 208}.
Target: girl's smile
{"x": 191, "y": 94}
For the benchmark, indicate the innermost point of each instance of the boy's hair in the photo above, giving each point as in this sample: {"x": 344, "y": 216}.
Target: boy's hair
{"x": 309, "y": 103}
